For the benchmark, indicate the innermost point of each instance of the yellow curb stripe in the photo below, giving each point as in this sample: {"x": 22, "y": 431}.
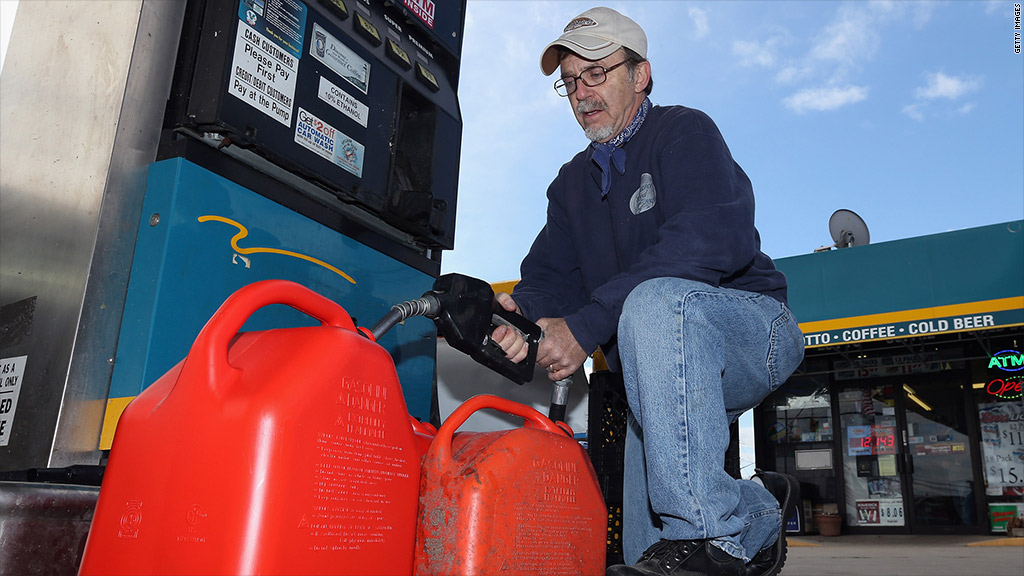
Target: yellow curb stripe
{"x": 1000, "y": 542}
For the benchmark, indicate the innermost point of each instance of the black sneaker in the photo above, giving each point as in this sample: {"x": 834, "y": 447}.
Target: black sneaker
{"x": 769, "y": 561}
{"x": 682, "y": 558}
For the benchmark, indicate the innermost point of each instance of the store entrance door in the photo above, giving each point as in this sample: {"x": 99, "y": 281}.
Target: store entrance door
{"x": 873, "y": 459}
{"x": 907, "y": 457}
{"x": 943, "y": 491}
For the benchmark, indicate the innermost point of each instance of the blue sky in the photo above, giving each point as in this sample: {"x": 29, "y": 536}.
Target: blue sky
{"x": 909, "y": 113}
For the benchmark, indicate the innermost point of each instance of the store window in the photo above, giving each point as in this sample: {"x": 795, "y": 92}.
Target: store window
{"x": 998, "y": 393}
{"x": 940, "y": 470}
{"x": 874, "y": 493}
{"x": 907, "y": 455}
{"x": 797, "y": 421}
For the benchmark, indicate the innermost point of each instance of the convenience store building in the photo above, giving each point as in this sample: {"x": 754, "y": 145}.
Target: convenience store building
{"x": 907, "y": 414}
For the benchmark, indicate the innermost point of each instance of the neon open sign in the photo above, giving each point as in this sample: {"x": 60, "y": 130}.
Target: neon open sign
{"x": 1007, "y": 389}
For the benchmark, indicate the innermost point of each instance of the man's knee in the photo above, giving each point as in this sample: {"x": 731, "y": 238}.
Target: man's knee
{"x": 657, "y": 296}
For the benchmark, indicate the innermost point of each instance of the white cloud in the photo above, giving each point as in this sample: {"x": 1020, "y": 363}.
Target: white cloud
{"x": 938, "y": 87}
{"x": 754, "y": 54}
{"x": 948, "y": 87}
{"x": 850, "y": 38}
{"x": 914, "y": 111}
{"x": 825, "y": 99}
{"x": 791, "y": 74}
{"x": 835, "y": 55}
{"x": 700, "y": 21}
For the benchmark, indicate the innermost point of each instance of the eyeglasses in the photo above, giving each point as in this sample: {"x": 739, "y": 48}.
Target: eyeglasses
{"x": 593, "y": 76}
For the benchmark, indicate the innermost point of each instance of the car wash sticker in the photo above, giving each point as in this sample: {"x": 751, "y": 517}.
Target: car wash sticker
{"x": 340, "y": 58}
{"x": 263, "y": 75}
{"x": 328, "y": 142}
{"x": 343, "y": 102}
{"x": 11, "y": 372}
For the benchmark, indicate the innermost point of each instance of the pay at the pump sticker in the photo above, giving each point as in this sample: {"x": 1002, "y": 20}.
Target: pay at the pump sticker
{"x": 343, "y": 101}
{"x": 11, "y": 372}
{"x": 328, "y": 142}
{"x": 340, "y": 58}
{"x": 263, "y": 75}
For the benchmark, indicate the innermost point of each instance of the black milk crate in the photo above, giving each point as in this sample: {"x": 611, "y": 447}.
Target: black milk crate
{"x": 606, "y": 423}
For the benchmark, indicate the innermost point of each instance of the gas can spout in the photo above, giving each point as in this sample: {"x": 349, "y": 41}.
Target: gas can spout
{"x": 428, "y": 305}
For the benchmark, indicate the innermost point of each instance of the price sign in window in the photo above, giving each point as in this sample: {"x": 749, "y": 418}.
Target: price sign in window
{"x": 1002, "y": 436}
{"x": 871, "y": 440}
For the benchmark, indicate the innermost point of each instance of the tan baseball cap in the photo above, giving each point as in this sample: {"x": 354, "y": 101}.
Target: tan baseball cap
{"x": 595, "y": 34}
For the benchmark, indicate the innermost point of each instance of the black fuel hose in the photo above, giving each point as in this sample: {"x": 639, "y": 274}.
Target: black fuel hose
{"x": 427, "y": 306}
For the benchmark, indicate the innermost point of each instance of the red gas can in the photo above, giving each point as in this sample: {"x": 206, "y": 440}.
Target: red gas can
{"x": 424, "y": 432}
{"x": 522, "y": 502}
{"x": 286, "y": 451}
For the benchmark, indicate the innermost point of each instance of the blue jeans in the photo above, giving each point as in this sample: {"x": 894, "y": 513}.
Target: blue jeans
{"x": 695, "y": 357}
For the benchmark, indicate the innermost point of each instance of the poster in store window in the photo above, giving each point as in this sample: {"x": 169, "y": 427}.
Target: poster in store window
{"x": 1002, "y": 436}
{"x": 887, "y": 512}
{"x": 871, "y": 440}
{"x": 857, "y": 436}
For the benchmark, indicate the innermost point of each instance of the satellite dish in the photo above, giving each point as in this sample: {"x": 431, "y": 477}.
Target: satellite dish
{"x": 847, "y": 230}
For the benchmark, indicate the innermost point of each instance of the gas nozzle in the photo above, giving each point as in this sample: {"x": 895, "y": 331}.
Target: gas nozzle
{"x": 469, "y": 314}
{"x": 466, "y": 313}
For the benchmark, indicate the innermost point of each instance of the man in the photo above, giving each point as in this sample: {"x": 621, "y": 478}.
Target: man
{"x": 649, "y": 251}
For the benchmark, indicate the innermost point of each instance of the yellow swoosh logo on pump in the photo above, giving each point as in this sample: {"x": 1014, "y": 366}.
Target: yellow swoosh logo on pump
{"x": 243, "y": 232}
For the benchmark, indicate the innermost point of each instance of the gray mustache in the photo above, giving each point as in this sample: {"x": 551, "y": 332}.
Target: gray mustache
{"x": 585, "y": 106}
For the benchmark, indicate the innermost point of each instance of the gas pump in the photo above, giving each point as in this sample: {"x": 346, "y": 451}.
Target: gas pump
{"x": 196, "y": 146}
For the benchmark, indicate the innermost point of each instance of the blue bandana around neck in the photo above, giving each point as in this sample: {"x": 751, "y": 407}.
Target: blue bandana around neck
{"x": 608, "y": 153}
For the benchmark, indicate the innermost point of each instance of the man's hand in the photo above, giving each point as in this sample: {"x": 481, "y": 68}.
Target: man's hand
{"x": 559, "y": 353}
{"x": 510, "y": 340}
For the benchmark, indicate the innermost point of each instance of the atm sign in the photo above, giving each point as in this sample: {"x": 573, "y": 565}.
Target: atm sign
{"x": 424, "y": 9}
{"x": 1008, "y": 360}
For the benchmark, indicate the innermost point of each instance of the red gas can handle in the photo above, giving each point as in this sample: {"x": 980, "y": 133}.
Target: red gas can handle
{"x": 208, "y": 358}
{"x": 532, "y": 419}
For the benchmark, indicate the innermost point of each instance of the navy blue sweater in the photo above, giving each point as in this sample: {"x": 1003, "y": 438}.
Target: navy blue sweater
{"x": 593, "y": 251}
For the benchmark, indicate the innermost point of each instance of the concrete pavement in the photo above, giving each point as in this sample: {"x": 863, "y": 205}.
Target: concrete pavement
{"x": 903, "y": 555}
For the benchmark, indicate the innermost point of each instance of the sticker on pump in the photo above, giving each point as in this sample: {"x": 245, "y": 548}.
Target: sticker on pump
{"x": 343, "y": 102}
{"x": 340, "y": 58}
{"x": 263, "y": 75}
{"x": 328, "y": 142}
{"x": 11, "y": 372}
